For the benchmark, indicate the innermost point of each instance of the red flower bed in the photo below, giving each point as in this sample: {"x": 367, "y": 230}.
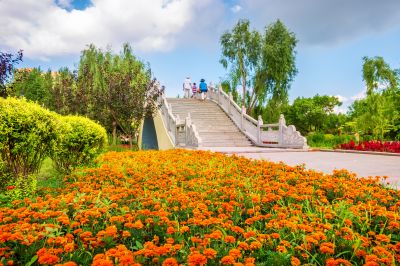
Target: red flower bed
{"x": 373, "y": 145}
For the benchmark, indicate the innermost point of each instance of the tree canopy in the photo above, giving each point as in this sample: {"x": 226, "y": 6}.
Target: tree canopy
{"x": 262, "y": 63}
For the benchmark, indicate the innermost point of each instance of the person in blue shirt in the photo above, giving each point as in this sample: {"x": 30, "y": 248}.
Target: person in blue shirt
{"x": 203, "y": 89}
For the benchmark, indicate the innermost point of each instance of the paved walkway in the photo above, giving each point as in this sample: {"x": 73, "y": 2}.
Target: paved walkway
{"x": 363, "y": 165}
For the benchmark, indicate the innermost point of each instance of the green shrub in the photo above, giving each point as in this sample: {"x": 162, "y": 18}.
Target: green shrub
{"x": 321, "y": 140}
{"x": 79, "y": 142}
{"x": 27, "y": 134}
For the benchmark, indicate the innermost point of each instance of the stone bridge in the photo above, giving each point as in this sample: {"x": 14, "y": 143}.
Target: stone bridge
{"x": 216, "y": 122}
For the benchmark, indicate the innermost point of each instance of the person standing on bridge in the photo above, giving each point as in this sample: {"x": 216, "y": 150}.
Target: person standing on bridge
{"x": 187, "y": 85}
{"x": 203, "y": 89}
{"x": 194, "y": 90}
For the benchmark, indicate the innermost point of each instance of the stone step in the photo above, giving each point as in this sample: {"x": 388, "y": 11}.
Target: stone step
{"x": 215, "y": 127}
{"x": 207, "y": 144}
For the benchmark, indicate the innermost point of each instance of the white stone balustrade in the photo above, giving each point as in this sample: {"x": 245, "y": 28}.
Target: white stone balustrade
{"x": 266, "y": 135}
{"x": 184, "y": 133}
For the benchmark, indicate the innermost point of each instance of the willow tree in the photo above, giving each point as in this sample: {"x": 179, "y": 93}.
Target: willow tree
{"x": 264, "y": 63}
{"x": 379, "y": 113}
{"x": 240, "y": 52}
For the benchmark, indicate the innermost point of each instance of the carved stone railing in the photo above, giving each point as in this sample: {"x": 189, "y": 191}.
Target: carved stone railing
{"x": 181, "y": 131}
{"x": 266, "y": 135}
{"x": 192, "y": 136}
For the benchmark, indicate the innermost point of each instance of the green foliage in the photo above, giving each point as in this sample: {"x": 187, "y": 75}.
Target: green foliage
{"x": 263, "y": 64}
{"x": 79, "y": 142}
{"x": 313, "y": 114}
{"x": 21, "y": 187}
{"x": 376, "y": 72}
{"x": 114, "y": 89}
{"x": 378, "y": 115}
{"x": 27, "y": 134}
{"x": 34, "y": 85}
{"x": 321, "y": 140}
{"x": 240, "y": 50}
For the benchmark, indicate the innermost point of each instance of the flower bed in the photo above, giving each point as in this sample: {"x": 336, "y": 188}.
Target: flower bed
{"x": 373, "y": 145}
{"x": 197, "y": 208}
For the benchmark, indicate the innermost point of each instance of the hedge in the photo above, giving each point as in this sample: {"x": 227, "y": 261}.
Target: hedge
{"x": 27, "y": 135}
{"x": 79, "y": 142}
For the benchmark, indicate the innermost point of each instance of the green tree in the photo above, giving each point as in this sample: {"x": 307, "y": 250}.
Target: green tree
{"x": 276, "y": 69}
{"x": 63, "y": 98}
{"x": 263, "y": 64}
{"x": 34, "y": 85}
{"x": 312, "y": 114}
{"x": 377, "y": 73}
{"x": 379, "y": 113}
{"x": 240, "y": 52}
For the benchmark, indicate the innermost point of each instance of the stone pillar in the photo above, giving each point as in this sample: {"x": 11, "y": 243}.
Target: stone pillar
{"x": 229, "y": 103}
{"x": 242, "y": 118}
{"x": 219, "y": 89}
{"x": 282, "y": 124}
{"x": 259, "y": 124}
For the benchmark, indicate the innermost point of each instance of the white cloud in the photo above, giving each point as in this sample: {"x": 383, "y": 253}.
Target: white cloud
{"x": 324, "y": 22}
{"x": 236, "y": 8}
{"x": 347, "y": 101}
{"x": 341, "y": 98}
{"x": 360, "y": 95}
{"x": 44, "y": 29}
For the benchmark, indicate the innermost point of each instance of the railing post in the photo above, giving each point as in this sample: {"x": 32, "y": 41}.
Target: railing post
{"x": 242, "y": 117}
{"x": 282, "y": 123}
{"x": 218, "y": 93}
{"x": 229, "y": 103}
{"x": 188, "y": 122}
{"x": 259, "y": 124}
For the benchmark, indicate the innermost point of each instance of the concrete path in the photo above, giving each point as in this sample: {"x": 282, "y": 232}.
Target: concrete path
{"x": 363, "y": 165}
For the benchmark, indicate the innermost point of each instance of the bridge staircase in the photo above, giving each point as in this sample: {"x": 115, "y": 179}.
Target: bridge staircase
{"x": 220, "y": 122}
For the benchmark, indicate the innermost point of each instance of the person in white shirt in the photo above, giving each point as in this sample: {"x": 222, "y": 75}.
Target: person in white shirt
{"x": 187, "y": 86}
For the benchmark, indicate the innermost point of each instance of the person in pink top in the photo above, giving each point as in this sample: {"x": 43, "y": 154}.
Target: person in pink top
{"x": 194, "y": 90}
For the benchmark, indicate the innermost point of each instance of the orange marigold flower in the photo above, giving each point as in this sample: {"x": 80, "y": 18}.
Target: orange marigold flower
{"x": 184, "y": 229}
{"x": 70, "y": 263}
{"x": 126, "y": 233}
{"x": 170, "y": 262}
{"x": 48, "y": 259}
{"x": 197, "y": 259}
{"x": 294, "y": 261}
{"x": 227, "y": 260}
{"x": 255, "y": 245}
{"x": 170, "y": 230}
{"x": 383, "y": 238}
{"x": 210, "y": 253}
{"x": 249, "y": 260}
{"x": 275, "y": 235}
{"x": 236, "y": 253}
{"x": 69, "y": 247}
{"x": 327, "y": 248}
{"x": 229, "y": 239}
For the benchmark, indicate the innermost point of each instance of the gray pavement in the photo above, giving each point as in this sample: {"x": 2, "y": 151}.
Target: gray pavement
{"x": 363, "y": 165}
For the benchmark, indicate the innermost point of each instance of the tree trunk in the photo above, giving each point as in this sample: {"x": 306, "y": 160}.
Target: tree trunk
{"x": 114, "y": 133}
{"x": 130, "y": 141}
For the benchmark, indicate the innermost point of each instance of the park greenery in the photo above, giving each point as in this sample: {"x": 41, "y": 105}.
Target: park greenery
{"x": 117, "y": 90}
{"x": 63, "y": 204}
{"x": 30, "y": 133}
{"x": 263, "y": 66}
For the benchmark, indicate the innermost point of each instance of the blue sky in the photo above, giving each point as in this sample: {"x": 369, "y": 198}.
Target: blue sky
{"x": 181, "y": 37}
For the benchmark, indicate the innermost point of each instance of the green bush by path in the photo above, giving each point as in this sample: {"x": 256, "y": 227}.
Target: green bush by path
{"x": 321, "y": 140}
{"x": 79, "y": 142}
{"x": 27, "y": 134}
